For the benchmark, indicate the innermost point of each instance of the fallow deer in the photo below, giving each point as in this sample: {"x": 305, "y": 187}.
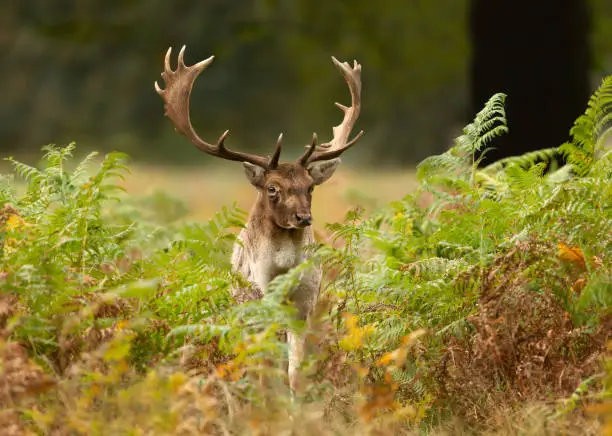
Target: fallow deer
{"x": 279, "y": 224}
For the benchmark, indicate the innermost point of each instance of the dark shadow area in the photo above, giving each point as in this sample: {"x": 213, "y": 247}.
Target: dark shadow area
{"x": 540, "y": 56}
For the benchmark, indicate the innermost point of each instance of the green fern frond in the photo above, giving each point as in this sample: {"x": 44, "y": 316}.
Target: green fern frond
{"x": 7, "y": 189}
{"x": 80, "y": 172}
{"x": 590, "y": 129}
{"x": 55, "y": 156}
{"x": 26, "y": 172}
{"x": 527, "y": 160}
{"x": 525, "y": 178}
{"x": 461, "y": 160}
{"x": 488, "y": 124}
{"x": 434, "y": 267}
{"x": 442, "y": 165}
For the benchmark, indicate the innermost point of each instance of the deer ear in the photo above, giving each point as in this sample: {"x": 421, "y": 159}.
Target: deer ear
{"x": 321, "y": 171}
{"x": 254, "y": 173}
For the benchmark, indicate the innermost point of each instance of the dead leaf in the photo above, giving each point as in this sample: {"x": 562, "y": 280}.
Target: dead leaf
{"x": 571, "y": 254}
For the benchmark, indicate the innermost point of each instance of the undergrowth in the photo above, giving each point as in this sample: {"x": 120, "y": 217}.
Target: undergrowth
{"x": 478, "y": 304}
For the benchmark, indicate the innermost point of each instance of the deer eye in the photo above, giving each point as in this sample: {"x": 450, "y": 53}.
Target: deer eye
{"x": 272, "y": 189}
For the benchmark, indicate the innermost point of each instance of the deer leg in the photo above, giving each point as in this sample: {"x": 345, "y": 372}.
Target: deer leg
{"x": 295, "y": 343}
{"x": 304, "y": 298}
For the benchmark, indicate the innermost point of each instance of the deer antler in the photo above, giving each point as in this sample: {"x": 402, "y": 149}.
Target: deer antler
{"x": 179, "y": 84}
{"x": 340, "y": 143}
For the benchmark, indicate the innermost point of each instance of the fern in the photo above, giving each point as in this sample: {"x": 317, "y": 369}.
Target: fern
{"x": 590, "y": 130}
{"x": 526, "y": 161}
{"x": 81, "y": 170}
{"x": 462, "y": 159}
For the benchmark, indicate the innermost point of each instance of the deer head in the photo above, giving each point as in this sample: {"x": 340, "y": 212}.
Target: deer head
{"x": 285, "y": 188}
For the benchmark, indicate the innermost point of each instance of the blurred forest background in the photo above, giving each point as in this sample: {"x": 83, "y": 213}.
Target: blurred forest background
{"x": 84, "y": 70}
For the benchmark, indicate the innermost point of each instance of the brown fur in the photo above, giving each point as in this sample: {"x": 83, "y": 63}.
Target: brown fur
{"x": 294, "y": 197}
{"x": 273, "y": 241}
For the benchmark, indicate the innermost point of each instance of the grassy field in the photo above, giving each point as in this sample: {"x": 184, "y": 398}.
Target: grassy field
{"x": 205, "y": 190}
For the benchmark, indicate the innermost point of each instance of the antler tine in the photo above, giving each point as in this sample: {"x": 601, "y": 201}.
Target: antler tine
{"x": 334, "y": 153}
{"x": 303, "y": 160}
{"x": 274, "y": 159}
{"x": 181, "y": 57}
{"x": 176, "y": 95}
{"x": 340, "y": 142}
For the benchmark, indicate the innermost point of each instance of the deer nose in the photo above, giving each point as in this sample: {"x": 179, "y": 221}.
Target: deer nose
{"x": 304, "y": 219}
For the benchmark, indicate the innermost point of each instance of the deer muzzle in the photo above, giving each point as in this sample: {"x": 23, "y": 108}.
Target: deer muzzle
{"x": 303, "y": 219}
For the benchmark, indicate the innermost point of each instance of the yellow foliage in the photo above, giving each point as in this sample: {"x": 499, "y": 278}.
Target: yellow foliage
{"x": 355, "y": 336}
{"x": 230, "y": 370}
{"x": 14, "y": 222}
{"x": 122, "y": 324}
{"x": 118, "y": 350}
{"x": 176, "y": 381}
{"x": 604, "y": 410}
{"x": 571, "y": 254}
{"x": 397, "y": 357}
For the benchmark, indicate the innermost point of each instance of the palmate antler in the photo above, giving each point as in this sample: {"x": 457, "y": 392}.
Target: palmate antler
{"x": 179, "y": 84}
{"x": 177, "y": 93}
{"x": 340, "y": 143}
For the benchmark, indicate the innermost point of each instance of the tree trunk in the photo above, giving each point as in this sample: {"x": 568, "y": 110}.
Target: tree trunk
{"x": 538, "y": 53}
